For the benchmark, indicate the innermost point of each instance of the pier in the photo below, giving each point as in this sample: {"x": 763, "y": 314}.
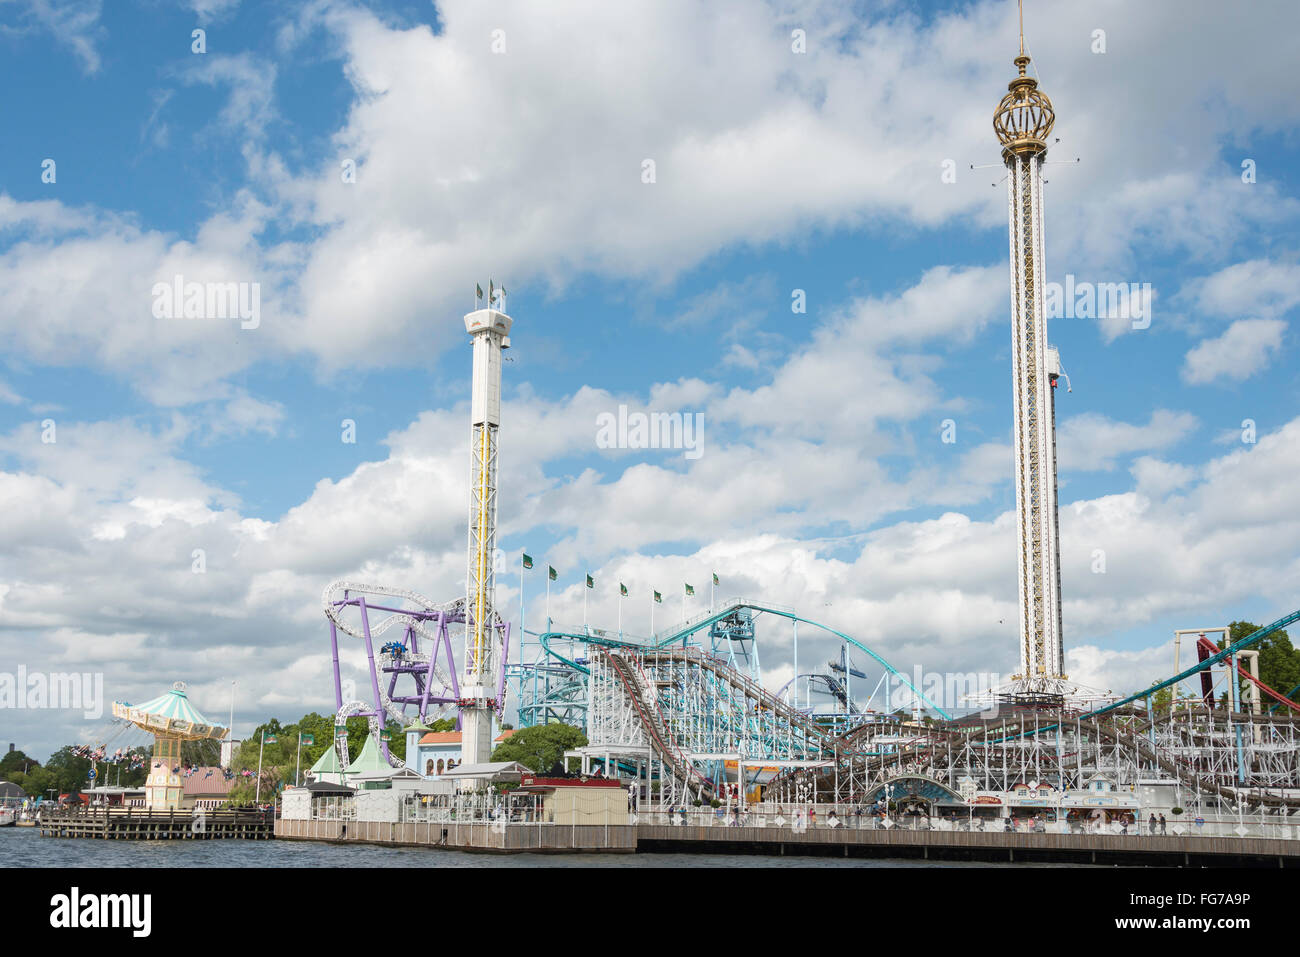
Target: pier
{"x": 138, "y": 824}
{"x": 484, "y": 837}
{"x": 991, "y": 847}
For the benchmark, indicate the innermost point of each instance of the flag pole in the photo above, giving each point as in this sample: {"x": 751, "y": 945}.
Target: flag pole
{"x": 261, "y": 745}
{"x": 548, "y": 597}
{"x": 297, "y": 764}
{"x": 585, "y": 589}
{"x": 620, "y": 612}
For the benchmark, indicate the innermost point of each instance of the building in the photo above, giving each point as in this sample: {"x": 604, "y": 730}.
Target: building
{"x": 11, "y": 793}
{"x": 436, "y": 752}
{"x": 577, "y": 800}
{"x": 206, "y": 788}
{"x": 229, "y": 748}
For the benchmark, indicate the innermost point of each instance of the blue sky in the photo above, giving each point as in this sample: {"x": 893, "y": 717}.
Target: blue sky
{"x": 823, "y": 483}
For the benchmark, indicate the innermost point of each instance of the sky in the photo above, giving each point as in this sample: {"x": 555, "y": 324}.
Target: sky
{"x": 786, "y": 218}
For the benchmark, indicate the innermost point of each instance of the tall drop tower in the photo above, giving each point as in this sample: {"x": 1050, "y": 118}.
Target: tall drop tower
{"x": 490, "y": 331}
{"x": 1023, "y": 121}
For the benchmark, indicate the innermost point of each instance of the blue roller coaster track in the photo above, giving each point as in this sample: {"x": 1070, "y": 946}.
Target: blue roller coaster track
{"x": 684, "y": 631}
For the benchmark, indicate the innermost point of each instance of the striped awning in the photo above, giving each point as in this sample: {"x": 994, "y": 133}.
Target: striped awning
{"x": 171, "y": 712}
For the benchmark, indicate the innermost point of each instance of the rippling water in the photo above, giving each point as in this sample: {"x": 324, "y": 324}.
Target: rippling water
{"x": 24, "y": 847}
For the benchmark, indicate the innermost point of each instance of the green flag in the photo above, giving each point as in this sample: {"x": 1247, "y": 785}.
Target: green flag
{"x": 385, "y": 735}
{"x": 340, "y": 730}
{"x": 307, "y": 739}
{"x": 690, "y": 592}
{"x": 269, "y": 738}
{"x": 478, "y": 291}
{"x": 528, "y": 560}
{"x": 591, "y": 582}
{"x": 622, "y": 590}
{"x": 550, "y": 573}
{"x": 715, "y": 579}
{"x": 659, "y": 598}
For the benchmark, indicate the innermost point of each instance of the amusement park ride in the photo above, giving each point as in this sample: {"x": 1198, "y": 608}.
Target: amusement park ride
{"x": 683, "y": 714}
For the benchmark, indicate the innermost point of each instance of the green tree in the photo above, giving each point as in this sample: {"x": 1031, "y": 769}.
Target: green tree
{"x": 1279, "y": 660}
{"x": 16, "y": 761}
{"x": 36, "y": 782}
{"x": 71, "y": 771}
{"x": 280, "y": 760}
{"x": 201, "y": 754}
{"x": 541, "y": 747}
{"x": 1161, "y": 700}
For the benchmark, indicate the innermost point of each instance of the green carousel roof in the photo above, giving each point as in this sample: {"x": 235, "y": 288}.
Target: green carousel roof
{"x": 369, "y": 761}
{"x": 327, "y": 763}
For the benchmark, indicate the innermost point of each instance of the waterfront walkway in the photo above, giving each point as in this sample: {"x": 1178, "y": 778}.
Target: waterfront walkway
{"x": 938, "y": 845}
{"x": 992, "y": 846}
{"x": 488, "y": 837}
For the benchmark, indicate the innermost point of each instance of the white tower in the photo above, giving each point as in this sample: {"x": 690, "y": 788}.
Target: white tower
{"x": 1023, "y": 121}
{"x": 490, "y": 331}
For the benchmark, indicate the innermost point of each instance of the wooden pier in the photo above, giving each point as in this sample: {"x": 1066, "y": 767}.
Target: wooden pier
{"x": 137, "y": 824}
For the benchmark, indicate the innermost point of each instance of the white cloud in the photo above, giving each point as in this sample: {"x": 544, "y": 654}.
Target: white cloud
{"x": 72, "y": 23}
{"x": 243, "y": 414}
{"x": 250, "y": 105}
{"x": 1092, "y": 442}
{"x": 1260, "y": 287}
{"x": 1244, "y": 349}
{"x": 531, "y": 159}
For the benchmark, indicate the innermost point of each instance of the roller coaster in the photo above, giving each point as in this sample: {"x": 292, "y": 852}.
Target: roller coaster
{"x": 684, "y": 714}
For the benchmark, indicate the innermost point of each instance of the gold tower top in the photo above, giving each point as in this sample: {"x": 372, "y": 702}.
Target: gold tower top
{"x": 1024, "y": 118}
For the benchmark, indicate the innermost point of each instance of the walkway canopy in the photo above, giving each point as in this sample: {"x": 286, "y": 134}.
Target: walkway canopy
{"x": 494, "y": 772}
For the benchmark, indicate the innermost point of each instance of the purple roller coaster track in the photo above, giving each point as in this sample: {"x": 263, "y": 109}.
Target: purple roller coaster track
{"x": 421, "y": 658}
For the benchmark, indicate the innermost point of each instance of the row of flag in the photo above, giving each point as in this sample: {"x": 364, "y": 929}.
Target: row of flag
{"x": 622, "y": 589}
{"x": 340, "y": 731}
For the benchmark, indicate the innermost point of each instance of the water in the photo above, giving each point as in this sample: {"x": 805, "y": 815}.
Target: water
{"x": 24, "y": 847}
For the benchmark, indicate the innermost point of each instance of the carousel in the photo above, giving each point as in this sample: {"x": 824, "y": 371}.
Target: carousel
{"x": 172, "y": 720}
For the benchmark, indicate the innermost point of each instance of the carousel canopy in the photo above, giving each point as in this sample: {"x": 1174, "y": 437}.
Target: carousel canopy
{"x": 169, "y": 712}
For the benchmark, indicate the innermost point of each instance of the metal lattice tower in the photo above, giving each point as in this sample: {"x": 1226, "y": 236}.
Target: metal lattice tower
{"x": 490, "y": 331}
{"x": 1023, "y": 121}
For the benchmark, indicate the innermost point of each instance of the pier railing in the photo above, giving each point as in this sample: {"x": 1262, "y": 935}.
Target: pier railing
{"x": 795, "y": 818}
{"x": 126, "y": 823}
